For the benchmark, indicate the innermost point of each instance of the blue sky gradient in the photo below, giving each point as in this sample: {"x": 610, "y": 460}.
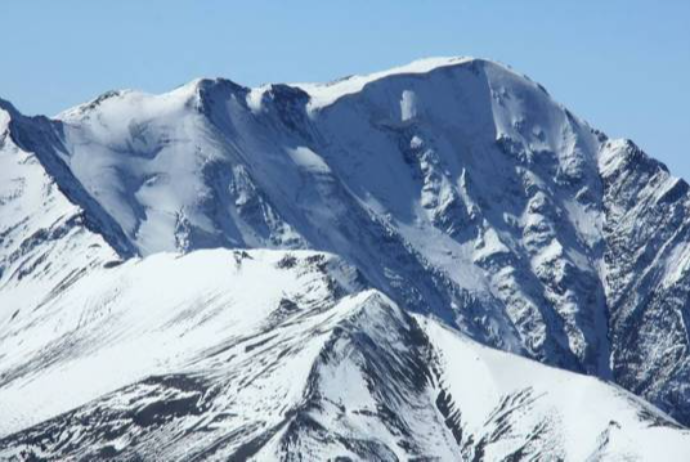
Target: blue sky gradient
{"x": 622, "y": 65}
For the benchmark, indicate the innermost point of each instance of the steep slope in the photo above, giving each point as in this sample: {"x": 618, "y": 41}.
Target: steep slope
{"x": 310, "y": 376}
{"x": 414, "y": 167}
{"x": 116, "y": 326}
{"x": 647, "y": 276}
{"x": 457, "y": 188}
{"x": 45, "y": 243}
{"x": 514, "y": 409}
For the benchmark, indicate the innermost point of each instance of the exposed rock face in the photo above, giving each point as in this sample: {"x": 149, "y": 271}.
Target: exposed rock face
{"x": 457, "y": 188}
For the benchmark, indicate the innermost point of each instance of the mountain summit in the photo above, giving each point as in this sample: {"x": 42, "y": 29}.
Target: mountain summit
{"x": 320, "y": 269}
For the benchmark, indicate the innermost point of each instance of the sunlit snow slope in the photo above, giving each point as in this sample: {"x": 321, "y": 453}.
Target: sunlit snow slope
{"x": 201, "y": 357}
{"x": 312, "y": 269}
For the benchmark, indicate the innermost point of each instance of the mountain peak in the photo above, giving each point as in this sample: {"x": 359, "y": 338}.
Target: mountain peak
{"x": 325, "y": 94}
{"x": 455, "y": 186}
{"x": 7, "y": 112}
{"x": 197, "y": 91}
{"x": 85, "y": 108}
{"x": 320, "y": 94}
{"x": 8, "y": 107}
{"x": 206, "y": 86}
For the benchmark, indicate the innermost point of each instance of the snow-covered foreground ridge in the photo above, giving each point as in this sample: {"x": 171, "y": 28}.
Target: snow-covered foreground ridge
{"x": 318, "y": 270}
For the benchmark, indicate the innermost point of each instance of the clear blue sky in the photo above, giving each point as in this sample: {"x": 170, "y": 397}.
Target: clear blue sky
{"x": 622, "y": 65}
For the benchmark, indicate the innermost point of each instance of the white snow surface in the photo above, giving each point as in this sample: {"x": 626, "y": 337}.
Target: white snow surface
{"x": 240, "y": 265}
{"x": 325, "y": 94}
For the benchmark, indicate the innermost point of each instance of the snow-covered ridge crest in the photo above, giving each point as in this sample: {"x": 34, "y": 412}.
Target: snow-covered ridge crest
{"x": 295, "y": 367}
{"x": 187, "y": 95}
{"x": 325, "y": 94}
{"x": 458, "y": 188}
{"x": 321, "y": 94}
{"x": 7, "y": 112}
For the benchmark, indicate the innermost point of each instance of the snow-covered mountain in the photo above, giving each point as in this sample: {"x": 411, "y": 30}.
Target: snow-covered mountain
{"x": 320, "y": 270}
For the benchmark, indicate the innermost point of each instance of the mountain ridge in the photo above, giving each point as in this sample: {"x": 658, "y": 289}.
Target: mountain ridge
{"x": 457, "y": 188}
